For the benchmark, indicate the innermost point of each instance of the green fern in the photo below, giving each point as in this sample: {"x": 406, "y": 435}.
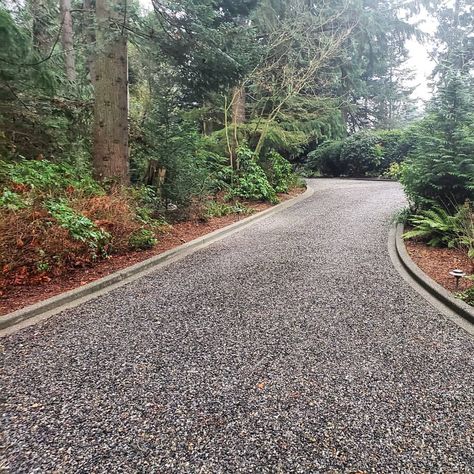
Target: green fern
{"x": 436, "y": 226}
{"x": 441, "y": 229}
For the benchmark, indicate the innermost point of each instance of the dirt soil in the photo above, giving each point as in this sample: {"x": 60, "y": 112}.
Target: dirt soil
{"x": 18, "y": 297}
{"x": 438, "y": 262}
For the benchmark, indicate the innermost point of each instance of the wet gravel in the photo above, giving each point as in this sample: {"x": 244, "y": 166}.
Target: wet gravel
{"x": 291, "y": 346}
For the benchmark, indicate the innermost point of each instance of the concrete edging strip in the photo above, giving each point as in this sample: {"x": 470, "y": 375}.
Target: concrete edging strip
{"x": 44, "y": 309}
{"x": 346, "y": 178}
{"x": 435, "y": 290}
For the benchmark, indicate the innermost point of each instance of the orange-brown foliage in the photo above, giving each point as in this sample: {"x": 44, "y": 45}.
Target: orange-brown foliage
{"x": 33, "y": 246}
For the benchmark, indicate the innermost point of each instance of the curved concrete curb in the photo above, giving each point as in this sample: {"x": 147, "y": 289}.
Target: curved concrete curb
{"x": 44, "y": 309}
{"x": 435, "y": 290}
{"x": 378, "y": 180}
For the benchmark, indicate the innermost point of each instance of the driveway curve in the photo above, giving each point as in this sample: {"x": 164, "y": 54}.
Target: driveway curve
{"x": 290, "y": 346}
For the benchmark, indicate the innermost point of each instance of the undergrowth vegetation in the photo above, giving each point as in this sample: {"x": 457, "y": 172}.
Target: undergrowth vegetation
{"x": 439, "y": 228}
{"x": 54, "y": 217}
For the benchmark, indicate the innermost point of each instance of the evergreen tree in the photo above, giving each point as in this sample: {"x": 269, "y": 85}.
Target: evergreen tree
{"x": 440, "y": 170}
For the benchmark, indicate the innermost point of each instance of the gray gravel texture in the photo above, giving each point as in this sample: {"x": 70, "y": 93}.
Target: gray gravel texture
{"x": 291, "y": 346}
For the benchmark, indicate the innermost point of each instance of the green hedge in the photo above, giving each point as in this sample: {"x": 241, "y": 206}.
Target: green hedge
{"x": 366, "y": 153}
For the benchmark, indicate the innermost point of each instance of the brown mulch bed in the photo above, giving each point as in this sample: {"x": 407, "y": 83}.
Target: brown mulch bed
{"x": 438, "y": 262}
{"x": 18, "y": 297}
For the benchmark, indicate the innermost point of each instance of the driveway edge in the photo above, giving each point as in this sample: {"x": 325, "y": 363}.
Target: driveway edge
{"x": 44, "y": 309}
{"x": 433, "y": 292}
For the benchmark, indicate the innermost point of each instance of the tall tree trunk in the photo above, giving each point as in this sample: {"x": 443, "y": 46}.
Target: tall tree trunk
{"x": 41, "y": 26}
{"x": 67, "y": 42}
{"x": 238, "y": 118}
{"x": 88, "y": 21}
{"x": 110, "y": 151}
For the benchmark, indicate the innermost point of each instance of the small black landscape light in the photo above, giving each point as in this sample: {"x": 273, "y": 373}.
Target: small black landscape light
{"x": 458, "y": 274}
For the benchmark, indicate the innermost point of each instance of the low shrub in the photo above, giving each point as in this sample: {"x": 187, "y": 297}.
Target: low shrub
{"x": 395, "y": 171}
{"x": 142, "y": 239}
{"x": 252, "y": 182}
{"x": 442, "y": 229}
{"x": 279, "y": 172}
{"x": 11, "y": 200}
{"x": 220, "y": 209}
{"x": 79, "y": 227}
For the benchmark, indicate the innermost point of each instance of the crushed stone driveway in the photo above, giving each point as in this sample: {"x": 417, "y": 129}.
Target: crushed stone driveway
{"x": 290, "y": 346}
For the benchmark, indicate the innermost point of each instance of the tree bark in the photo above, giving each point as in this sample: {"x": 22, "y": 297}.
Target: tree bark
{"x": 238, "y": 105}
{"x": 88, "y": 21}
{"x": 40, "y": 28}
{"x": 110, "y": 150}
{"x": 67, "y": 41}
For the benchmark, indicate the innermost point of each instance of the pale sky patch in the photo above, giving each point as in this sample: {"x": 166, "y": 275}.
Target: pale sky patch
{"x": 420, "y": 61}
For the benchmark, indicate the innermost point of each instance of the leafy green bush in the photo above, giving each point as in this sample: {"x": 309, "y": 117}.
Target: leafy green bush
{"x": 142, "y": 239}
{"x": 326, "y": 159}
{"x": 396, "y": 145}
{"x": 361, "y": 155}
{"x": 252, "y": 182}
{"x": 394, "y": 171}
{"x": 366, "y": 153}
{"x": 79, "y": 227}
{"x": 279, "y": 172}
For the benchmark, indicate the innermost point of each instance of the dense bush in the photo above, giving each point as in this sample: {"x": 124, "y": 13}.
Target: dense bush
{"x": 396, "y": 145}
{"x": 366, "y": 153}
{"x": 326, "y": 159}
{"x": 361, "y": 155}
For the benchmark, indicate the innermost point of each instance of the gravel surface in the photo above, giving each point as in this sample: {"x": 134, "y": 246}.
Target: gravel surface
{"x": 291, "y": 346}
